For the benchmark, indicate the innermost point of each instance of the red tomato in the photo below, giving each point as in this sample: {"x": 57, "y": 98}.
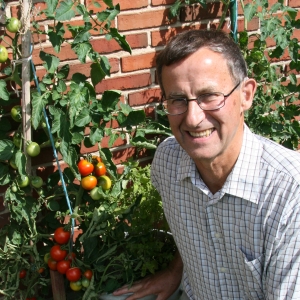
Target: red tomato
{"x": 63, "y": 266}
{"x": 22, "y": 274}
{"x": 88, "y": 274}
{"x": 61, "y": 236}
{"x": 57, "y": 253}
{"x": 100, "y": 169}
{"x": 89, "y": 182}
{"x": 73, "y": 274}
{"x": 85, "y": 167}
{"x": 52, "y": 264}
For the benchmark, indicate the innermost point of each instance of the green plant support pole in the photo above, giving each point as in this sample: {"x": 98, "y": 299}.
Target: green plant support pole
{"x": 233, "y": 18}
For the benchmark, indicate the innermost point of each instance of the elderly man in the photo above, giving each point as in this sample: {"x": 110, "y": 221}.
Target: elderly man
{"x": 231, "y": 197}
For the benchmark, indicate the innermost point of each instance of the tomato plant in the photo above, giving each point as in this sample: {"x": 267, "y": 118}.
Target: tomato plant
{"x": 22, "y": 274}
{"x": 17, "y": 139}
{"x": 36, "y": 181}
{"x": 73, "y": 274}
{"x": 3, "y": 54}
{"x": 46, "y": 258}
{"x": 13, "y": 25}
{"x": 100, "y": 169}
{"x": 89, "y": 182}
{"x": 63, "y": 266}
{"x": 94, "y": 194}
{"x": 33, "y": 149}
{"x": 76, "y": 285}
{"x": 105, "y": 182}
{"x": 52, "y": 264}
{"x": 16, "y": 113}
{"x": 88, "y": 274}
{"x": 71, "y": 256}
{"x": 85, "y": 282}
{"x": 62, "y": 236}
{"x": 57, "y": 253}
{"x": 23, "y": 181}
{"x": 85, "y": 167}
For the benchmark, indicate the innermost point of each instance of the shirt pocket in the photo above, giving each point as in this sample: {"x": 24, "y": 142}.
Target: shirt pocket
{"x": 251, "y": 271}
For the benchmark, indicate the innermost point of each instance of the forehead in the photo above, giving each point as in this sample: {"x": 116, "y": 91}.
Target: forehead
{"x": 202, "y": 68}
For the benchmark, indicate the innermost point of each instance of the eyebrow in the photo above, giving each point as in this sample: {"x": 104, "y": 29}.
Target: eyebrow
{"x": 207, "y": 90}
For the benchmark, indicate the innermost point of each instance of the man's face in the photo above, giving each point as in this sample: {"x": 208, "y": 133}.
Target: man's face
{"x": 206, "y": 135}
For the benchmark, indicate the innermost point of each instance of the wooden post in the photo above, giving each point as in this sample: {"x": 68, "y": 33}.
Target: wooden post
{"x": 57, "y": 282}
{"x": 26, "y": 51}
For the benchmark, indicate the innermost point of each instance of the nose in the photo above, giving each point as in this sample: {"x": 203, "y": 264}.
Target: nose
{"x": 194, "y": 114}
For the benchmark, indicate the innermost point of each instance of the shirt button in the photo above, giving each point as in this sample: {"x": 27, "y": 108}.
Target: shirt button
{"x": 223, "y": 270}
{"x": 218, "y": 235}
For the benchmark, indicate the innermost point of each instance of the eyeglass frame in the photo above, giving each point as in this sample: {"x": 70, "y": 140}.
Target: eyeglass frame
{"x": 196, "y": 99}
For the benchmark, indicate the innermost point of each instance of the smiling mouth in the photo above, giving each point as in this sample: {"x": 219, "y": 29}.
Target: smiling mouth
{"x": 204, "y": 133}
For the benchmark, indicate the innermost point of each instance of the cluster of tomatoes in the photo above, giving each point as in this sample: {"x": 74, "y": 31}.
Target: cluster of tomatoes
{"x": 12, "y": 25}
{"x": 93, "y": 176}
{"x": 58, "y": 259}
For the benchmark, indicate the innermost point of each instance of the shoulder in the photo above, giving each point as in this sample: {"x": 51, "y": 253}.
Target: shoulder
{"x": 280, "y": 158}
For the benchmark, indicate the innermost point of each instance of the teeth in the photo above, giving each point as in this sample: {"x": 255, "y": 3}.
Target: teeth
{"x": 204, "y": 133}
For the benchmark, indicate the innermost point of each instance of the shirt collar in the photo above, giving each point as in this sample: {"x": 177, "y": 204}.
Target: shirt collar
{"x": 243, "y": 181}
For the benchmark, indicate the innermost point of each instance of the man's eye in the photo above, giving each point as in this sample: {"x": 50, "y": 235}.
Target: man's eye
{"x": 209, "y": 97}
{"x": 179, "y": 101}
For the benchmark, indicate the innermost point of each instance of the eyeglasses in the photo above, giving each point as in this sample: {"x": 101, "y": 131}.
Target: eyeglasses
{"x": 209, "y": 101}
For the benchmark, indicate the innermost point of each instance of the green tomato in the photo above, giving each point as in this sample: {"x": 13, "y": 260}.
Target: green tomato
{"x": 13, "y": 25}
{"x": 94, "y": 194}
{"x": 85, "y": 282}
{"x": 33, "y": 149}
{"x": 16, "y": 113}
{"x": 17, "y": 139}
{"x": 36, "y": 181}
{"x": 23, "y": 181}
{"x": 3, "y": 54}
{"x": 13, "y": 163}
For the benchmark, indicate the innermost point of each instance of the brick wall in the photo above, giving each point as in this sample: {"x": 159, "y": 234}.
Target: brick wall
{"x": 147, "y": 29}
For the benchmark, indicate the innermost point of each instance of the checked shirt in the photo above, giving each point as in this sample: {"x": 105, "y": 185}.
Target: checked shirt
{"x": 242, "y": 242}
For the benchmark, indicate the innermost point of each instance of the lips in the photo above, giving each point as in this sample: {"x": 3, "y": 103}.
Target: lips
{"x": 204, "y": 133}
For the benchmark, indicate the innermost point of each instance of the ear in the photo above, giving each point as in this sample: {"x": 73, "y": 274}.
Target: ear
{"x": 248, "y": 91}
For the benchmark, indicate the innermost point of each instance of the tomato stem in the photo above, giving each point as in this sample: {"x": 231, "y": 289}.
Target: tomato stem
{"x": 78, "y": 199}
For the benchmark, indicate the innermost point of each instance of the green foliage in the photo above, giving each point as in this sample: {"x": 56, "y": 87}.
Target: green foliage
{"x": 117, "y": 236}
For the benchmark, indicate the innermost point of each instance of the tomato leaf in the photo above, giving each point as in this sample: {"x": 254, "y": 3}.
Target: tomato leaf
{"x": 51, "y": 61}
{"x": 51, "y": 7}
{"x": 65, "y": 11}
{"x": 83, "y": 118}
{"x": 20, "y": 160}
{"x": 97, "y": 73}
{"x": 38, "y": 104}
{"x": 109, "y": 3}
{"x": 4, "y": 94}
{"x": 6, "y": 149}
{"x": 3, "y": 170}
{"x": 120, "y": 39}
{"x": 57, "y": 38}
{"x": 82, "y": 50}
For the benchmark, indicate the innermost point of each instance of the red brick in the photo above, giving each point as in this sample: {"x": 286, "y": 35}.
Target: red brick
{"x": 103, "y": 46}
{"x": 161, "y": 37}
{"x": 83, "y": 68}
{"x": 66, "y": 53}
{"x": 294, "y": 3}
{"x": 124, "y": 82}
{"x": 124, "y": 4}
{"x": 145, "y": 19}
{"x": 162, "y": 2}
{"x": 197, "y": 12}
{"x": 144, "y": 97}
{"x": 138, "y": 62}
